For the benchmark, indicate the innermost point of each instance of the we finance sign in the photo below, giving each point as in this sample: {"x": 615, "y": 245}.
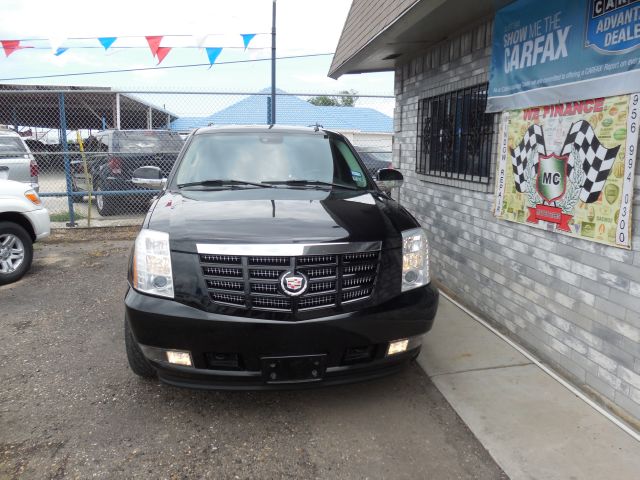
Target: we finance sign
{"x": 550, "y": 52}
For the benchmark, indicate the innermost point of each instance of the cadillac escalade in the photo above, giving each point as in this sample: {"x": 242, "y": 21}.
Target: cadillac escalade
{"x": 272, "y": 258}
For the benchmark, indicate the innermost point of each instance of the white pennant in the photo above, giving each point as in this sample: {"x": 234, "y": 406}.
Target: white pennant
{"x": 200, "y": 40}
{"x": 55, "y": 42}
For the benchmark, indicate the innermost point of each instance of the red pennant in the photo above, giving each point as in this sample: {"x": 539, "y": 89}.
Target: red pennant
{"x": 11, "y": 46}
{"x": 162, "y": 52}
{"x": 154, "y": 44}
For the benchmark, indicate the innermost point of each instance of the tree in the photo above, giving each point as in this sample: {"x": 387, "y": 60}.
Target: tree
{"x": 348, "y": 100}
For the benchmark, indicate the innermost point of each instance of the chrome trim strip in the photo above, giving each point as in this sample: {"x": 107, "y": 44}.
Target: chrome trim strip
{"x": 286, "y": 249}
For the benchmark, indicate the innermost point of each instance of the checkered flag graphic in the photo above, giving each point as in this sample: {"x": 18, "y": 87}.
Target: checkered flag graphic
{"x": 533, "y": 140}
{"x": 596, "y": 159}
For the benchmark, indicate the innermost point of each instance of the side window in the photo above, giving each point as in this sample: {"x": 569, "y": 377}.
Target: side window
{"x": 356, "y": 173}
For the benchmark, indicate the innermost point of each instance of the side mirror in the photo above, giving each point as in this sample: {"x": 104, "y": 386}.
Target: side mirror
{"x": 4, "y": 172}
{"x": 149, "y": 177}
{"x": 388, "y": 178}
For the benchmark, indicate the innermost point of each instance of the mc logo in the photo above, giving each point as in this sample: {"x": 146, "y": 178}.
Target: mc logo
{"x": 552, "y": 176}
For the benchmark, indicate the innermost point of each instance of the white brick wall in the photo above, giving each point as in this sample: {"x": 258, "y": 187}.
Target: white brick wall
{"x": 575, "y": 303}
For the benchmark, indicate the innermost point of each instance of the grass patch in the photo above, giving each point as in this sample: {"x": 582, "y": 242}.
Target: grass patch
{"x": 64, "y": 216}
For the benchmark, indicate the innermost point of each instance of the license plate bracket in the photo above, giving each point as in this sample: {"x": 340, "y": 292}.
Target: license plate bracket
{"x": 293, "y": 369}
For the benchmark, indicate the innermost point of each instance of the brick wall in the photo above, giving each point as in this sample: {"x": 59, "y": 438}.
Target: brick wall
{"x": 576, "y": 304}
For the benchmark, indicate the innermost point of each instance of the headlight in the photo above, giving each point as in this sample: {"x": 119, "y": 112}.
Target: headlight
{"x": 152, "y": 264}
{"x": 415, "y": 259}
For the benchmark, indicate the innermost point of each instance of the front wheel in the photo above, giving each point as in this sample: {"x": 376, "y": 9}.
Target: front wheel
{"x": 16, "y": 252}
{"x": 104, "y": 203}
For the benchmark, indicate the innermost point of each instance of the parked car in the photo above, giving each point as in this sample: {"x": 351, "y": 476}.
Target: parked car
{"x": 375, "y": 158}
{"x": 23, "y": 220}
{"x": 17, "y": 158}
{"x": 113, "y": 155}
{"x": 271, "y": 258}
{"x": 40, "y": 152}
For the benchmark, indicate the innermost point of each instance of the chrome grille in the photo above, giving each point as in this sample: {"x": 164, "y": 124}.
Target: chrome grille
{"x": 272, "y": 303}
{"x": 225, "y": 285}
{"x": 326, "y": 272}
{"x": 222, "y": 272}
{"x": 253, "y": 282}
{"x": 268, "y": 260}
{"x": 263, "y": 273}
{"x": 316, "y": 302}
{"x": 351, "y": 295}
{"x": 232, "y": 259}
{"x": 227, "y": 298}
{"x": 326, "y": 286}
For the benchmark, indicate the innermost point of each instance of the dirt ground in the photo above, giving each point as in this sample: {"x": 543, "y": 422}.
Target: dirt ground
{"x": 70, "y": 407}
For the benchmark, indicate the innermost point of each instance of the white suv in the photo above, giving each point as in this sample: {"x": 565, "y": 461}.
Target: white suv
{"x": 18, "y": 159}
{"x": 23, "y": 220}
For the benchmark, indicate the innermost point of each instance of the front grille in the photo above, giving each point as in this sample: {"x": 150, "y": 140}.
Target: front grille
{"x": 253, "y": 282}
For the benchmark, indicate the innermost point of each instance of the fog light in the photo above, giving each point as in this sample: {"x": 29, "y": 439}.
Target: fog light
{"x": 179, "y": 358}
{"x": 398, "y": 346}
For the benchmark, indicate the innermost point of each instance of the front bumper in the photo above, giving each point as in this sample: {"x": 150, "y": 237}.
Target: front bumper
{"x": 167, "y": 324}
{"x": 40, "y": 222}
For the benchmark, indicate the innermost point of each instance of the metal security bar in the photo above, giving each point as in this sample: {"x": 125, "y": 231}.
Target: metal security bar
{"x": 455, "y": 135}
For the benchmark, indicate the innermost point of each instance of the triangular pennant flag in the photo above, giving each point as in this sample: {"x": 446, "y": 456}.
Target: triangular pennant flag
{"x": 212, "y": 54}
{"x": 246, "y": 38}
{"x": 154, "y": 44}
{"x": 55, "y": 43}
{"x": 60, "y": 51}
{"x": 162, "y": 52}
{"x": 11, "y": 46}
{"x": 106, "y": 42}
{"x": 200, "y": 39}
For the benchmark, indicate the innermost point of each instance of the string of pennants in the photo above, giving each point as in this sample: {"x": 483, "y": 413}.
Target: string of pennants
{"x": 154, "y": 41}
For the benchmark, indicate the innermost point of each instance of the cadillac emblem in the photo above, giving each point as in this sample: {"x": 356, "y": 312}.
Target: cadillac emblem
{"x": 293, "y": 284}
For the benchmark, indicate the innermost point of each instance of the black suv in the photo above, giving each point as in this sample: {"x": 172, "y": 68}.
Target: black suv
{"x": 112, "y": 156}
{"x": 271, "y": 258}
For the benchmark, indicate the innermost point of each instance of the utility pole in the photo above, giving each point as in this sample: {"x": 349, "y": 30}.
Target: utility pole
{"x": 273, "y": 64}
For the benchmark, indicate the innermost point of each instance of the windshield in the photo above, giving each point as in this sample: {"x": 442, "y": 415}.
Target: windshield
{"x": 270, "y": 157}
{"x": 148, "y": 142}
{"x": 11, "y": 147}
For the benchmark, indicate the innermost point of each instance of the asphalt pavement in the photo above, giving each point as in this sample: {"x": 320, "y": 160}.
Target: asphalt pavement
{"x": 70, "y": 407}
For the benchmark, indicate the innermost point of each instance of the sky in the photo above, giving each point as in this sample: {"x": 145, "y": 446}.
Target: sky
{"x": 303, "y": 27}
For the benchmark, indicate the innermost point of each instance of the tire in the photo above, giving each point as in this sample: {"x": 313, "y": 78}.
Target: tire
{"x": 104, "y": 204}
{"x": 137, "y": 362}
{"x": 16, "y": 252}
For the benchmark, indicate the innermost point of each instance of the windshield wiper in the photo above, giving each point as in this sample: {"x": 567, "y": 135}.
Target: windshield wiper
{"x": 304, "y": 183}
{"x": 221, "y": 183}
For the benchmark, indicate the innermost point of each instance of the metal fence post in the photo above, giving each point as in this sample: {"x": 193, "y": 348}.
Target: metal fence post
{"x": 117, "y": 111}
{"x": 269, "y": 122}
{"x": 67, "y": 161}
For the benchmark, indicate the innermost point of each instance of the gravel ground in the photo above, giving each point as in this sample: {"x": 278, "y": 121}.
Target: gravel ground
{"x": 70, "y": 407}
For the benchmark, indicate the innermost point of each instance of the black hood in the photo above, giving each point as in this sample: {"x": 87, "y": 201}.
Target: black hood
{"x": 278, "y": 215}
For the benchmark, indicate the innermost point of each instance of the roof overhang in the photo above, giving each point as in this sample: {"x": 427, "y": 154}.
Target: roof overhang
{"x": 85, "y": 108}
{"x": 425, "y": 23}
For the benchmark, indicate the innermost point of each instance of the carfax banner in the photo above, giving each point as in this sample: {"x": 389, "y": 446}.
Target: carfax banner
{"x": 549, "y": 52}
{"x": 569, "y": 167}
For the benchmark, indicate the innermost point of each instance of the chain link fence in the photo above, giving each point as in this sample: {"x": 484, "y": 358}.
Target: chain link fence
{"x": 80, "y": 146}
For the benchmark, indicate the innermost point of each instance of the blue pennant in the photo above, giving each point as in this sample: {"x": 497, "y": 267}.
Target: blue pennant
{"x": 212, "y": 54}
{"x": 107, "y": 41}
{"x": 246, "y": 38}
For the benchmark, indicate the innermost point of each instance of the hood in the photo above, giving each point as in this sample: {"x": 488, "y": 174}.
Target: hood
{"x": 278, "y": 215}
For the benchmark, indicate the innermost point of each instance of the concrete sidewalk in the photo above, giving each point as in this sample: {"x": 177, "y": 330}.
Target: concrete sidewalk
{"x": 532, "y": 425}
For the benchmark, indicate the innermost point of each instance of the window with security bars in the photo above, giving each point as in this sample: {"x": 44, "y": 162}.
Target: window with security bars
{"x": 455, "y": 135}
